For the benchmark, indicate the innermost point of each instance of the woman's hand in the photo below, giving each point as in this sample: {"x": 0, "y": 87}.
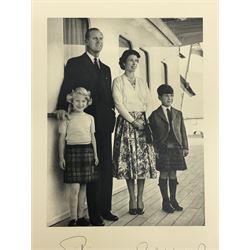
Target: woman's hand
{"x": 96, "y": 160}
{"x": 62, "y": 164}
{"x": 138, "y": 123}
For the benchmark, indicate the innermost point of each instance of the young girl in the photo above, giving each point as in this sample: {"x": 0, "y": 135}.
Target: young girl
{"x": 77, "y": 152}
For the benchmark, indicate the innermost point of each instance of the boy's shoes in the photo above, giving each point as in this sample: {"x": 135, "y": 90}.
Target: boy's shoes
{"x": 72, "y": 223}
{"x": 167, "y": 208}
{"x": 96, "y": 221}
{"x": 82, "y": 222}
{"x": 176, "y": 205}
{"x": 109, "y": 216}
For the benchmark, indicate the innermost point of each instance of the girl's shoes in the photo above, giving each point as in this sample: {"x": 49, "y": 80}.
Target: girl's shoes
{"x": 133, "y": 211}
{"x": 82, "y": 222}
{"x": 72, "y": 223}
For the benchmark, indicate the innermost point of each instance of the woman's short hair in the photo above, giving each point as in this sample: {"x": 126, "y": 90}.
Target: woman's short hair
{"x": 125, "y": 55}
{"x": 79, "y": 91}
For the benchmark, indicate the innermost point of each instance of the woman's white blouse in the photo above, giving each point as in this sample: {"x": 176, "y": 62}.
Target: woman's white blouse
{"x": 128, "y": 99}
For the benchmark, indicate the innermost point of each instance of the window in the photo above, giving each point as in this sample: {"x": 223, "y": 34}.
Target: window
{"x": 124, "y": 43}
{"x": 74, "y": 30}
{"x": 144, "y": 65}
{"x": 164, "y": 73}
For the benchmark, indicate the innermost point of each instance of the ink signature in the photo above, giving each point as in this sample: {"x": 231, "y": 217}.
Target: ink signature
{"x": 74, "y": 243}
{"x": 79, "y": 242}
{"x": 145, "y": 246}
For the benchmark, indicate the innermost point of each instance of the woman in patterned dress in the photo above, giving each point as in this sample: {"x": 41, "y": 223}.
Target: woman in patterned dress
{"x": 133, "y": 157}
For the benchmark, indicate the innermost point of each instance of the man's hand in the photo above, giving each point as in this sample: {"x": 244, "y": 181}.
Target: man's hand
{"x": 96, "y": 160}
{"x": 61, "y": 114}
{"x": 185, "y": 152}
{"x": 62, "y": 164}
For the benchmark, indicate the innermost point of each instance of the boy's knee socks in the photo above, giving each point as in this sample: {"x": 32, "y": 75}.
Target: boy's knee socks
{"x": 172, "y": 188}
{"x": 163, "y": 184}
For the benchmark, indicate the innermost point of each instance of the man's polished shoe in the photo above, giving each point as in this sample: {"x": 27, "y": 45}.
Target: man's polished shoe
{"x": 132, "y": 211}
{"x": 109, "y": 216}
{"x": 97, "y": 222}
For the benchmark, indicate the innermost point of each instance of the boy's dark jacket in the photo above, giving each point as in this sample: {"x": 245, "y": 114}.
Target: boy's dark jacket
{"x": 160, "y": 128}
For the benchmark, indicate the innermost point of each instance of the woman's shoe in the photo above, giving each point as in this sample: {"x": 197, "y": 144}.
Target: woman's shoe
{"x": 132, "y": 211}
{"x": 140, "y": 209}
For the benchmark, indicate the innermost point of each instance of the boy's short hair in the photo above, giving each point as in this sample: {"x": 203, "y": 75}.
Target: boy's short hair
{"x": 165, "y": 89}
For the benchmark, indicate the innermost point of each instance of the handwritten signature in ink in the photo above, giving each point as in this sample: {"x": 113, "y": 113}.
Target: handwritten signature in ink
{"x": 145, "y": 246}
{"x": 79, "y": 242}
{"x": 74, "y": 243}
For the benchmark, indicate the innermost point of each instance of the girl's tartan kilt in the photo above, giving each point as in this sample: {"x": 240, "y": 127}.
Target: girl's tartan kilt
{"x": 80, "y": 164}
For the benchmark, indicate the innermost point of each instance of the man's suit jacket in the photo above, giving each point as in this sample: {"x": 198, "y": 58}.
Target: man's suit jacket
{"x": 160, "y": 128}
{"x": 81, "y": 72}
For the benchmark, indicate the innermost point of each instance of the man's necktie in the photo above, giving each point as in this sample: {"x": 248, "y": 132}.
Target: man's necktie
{"x": 169, "y": 116}
{"x": 96, "y": 65}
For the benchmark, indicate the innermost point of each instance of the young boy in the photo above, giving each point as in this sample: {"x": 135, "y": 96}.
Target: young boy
{"x": 171, "y": 146}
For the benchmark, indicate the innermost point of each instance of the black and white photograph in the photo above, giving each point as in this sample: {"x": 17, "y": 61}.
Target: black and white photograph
{"x": 125, "y": 125}
{"x": 125, "y": 122}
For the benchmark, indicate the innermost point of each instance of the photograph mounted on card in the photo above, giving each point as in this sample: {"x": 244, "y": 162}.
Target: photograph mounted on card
{"x": 125, "y": 126}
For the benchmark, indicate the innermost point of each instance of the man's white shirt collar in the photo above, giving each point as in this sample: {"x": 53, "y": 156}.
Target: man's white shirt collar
{"x": 92, "y": 58}
{"x": 164, "y": 108}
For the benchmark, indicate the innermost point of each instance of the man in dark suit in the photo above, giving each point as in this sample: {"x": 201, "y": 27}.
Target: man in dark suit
{"x": 89, "y": 72}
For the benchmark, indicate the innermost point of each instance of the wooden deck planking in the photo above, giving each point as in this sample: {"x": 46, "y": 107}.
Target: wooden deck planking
{"x": 199, "y": 218}
{"x": 185, "y": 217}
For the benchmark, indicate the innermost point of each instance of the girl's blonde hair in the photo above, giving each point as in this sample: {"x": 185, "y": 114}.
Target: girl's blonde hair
{"x": 75, "y": 92}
